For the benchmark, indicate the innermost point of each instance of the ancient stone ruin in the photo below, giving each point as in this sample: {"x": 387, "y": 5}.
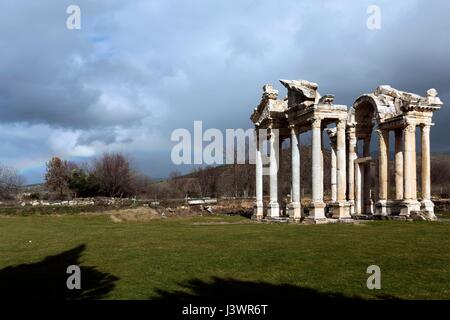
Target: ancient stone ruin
{"x": 360, "y": 182}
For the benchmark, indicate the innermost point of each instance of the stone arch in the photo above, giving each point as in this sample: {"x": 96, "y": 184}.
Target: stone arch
{"x": 365, "y": 113}
{"x": 365, "y": 116}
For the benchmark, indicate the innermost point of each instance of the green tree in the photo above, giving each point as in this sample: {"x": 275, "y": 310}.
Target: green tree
{"x": 84, "y": 184}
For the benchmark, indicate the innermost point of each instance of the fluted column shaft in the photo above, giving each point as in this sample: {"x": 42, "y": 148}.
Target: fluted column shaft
{"x": 259, "y": 175}
{"x": 333, "y": 172}
{"x": 317, "y": 170}
{"x": 295, "y": 212}
{"x": 399, "y": 165}
{"x": 383, "y": 140}
{"x": 295, "y": 154}
{"x": 367, "y": 176}
{"x": 351, "y": 164}
{"x": 426, "y": 179}
{"x": 410, "y": 189}
{"x": 341, "y": 165}
{"x": 274, "y": 210}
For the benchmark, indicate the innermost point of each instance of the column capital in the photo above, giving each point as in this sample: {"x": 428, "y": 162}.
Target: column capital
{"x": 316, "y": 122}
{"x": 293, "y": 128}
{"x": 380, "y": 132}
{"x": 272, "y": 132}
{"x": 426, "y": 127}
{"x": 341, "y": 124}
{"x": 410, "y": 127}
{"x": 351, "y": 136}
{"x": 351, "y": 125}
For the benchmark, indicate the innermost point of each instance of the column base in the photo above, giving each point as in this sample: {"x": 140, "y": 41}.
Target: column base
{"x": 369, "y": 208}
{"x": 381, "y": 208}
{"x": 409, "y": 206}
{"x": 427, "y": 208}
{"x": 295, "y": 211}
{"x": 273, "y": 212}
{"x": 352, "y": 207}
{"x": 276, "y": 220}
{"x": 317, "y": 212}
{"x": 340, "y": 210}
{"x": 258, "y": 212}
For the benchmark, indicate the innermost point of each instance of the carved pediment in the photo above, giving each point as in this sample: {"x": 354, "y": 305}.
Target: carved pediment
{"x": 301, "y": 93}
{"x": 268, "y": 105}
{"x": 395, "y": 102}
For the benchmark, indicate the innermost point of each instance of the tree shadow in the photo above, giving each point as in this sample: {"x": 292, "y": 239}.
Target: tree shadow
{"x": 246, "y": 213}
{"x": 228, "y": 289}
{"x": 47, "y": 279}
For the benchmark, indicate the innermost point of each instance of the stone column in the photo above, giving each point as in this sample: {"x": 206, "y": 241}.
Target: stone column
{"x": 321, "y": 162}
{"x": 358, "y": 209}
{"x": 383, "y": 145}
{"x": 274, "y": 207}
{"x": 333, "y": 172}
{"x": 341, "y": 166}
{"x": 317, "y": 210}
{"x": 280, "y": 196}
{"x": 409, "y": 162}
{"x": 409, "y": 171}
{"x": 295, "y": 206}
{"x": 398, "y": 164}
{"x": 351, "y": 168}
{"x": 340, "y": 208}
{"x": 259, "y": 206}
{"x": 414, "y": 167}
{"x": 427, "y": 204}
{"x": 367, "y": 177}
{"x": 377, "y": 181}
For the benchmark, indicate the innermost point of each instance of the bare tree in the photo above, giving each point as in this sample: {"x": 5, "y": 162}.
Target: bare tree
{"x": 10, "y": 181}
{"x": 206, "y": 180}
{"x": 440, "y": 174}
{"x": 115, "y": 175}
{"x": 142, "y": 184}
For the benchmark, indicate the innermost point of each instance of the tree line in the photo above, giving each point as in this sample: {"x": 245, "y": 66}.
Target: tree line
{"x": 111, "y": 175}
{"x": 239, "y": 180}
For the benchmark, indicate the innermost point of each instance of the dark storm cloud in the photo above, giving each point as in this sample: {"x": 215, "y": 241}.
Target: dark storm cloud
{"x": 87, "y": 138}
{"x": 137, "y": 70}
{"x": 46, "y": 71}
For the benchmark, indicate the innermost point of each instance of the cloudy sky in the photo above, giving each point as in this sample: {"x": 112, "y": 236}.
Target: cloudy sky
{"x": 137, "y": 70}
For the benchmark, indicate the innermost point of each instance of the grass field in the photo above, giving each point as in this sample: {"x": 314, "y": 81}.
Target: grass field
{"x": 220, "y": 257}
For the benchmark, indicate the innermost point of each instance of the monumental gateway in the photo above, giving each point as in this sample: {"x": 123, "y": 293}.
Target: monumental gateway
{"x": 359, "y": 181}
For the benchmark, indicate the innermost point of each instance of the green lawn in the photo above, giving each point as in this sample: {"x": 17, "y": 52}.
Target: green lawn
{"x": 186, "y": 258}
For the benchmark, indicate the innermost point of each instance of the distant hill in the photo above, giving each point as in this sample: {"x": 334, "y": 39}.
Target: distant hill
{"x": 239, "y": 180}
{"x": 33, "y": 187}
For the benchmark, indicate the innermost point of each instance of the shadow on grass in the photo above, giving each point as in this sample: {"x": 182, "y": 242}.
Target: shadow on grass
{"x": 236, "y": 290}
{"x": 47, "y": 279}
{"x": 246, "y": 213}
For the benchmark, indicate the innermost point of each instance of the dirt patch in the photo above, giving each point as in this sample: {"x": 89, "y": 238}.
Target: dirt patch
{"x": 135, "y": 215}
